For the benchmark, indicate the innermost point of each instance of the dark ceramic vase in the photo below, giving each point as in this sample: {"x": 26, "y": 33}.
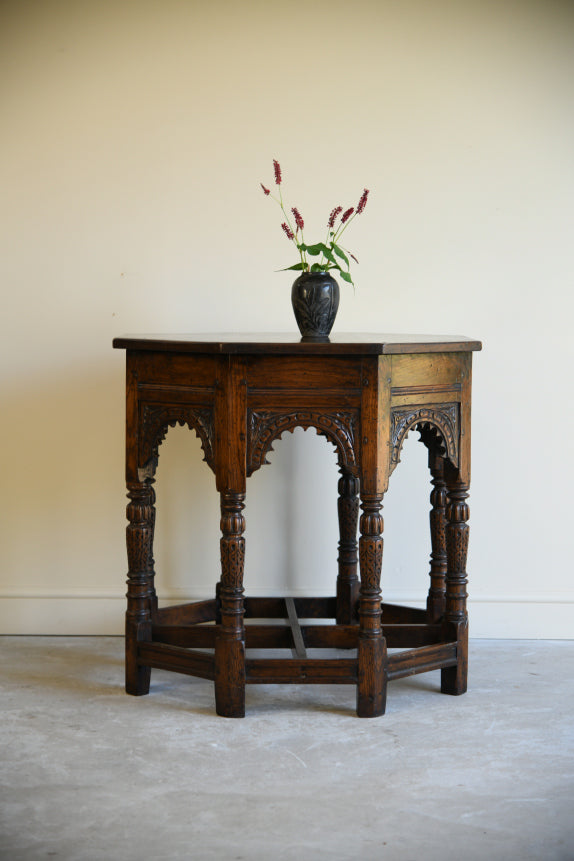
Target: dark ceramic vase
{"x": 315, "y": 299}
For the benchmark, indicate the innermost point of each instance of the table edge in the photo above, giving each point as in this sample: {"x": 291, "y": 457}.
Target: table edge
{"x": 343, "y": 348}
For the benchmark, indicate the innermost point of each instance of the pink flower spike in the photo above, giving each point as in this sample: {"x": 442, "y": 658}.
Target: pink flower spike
{"x": 298, "y": 220}
{"x": 277, "y": 169}
{"x": 288, "y": 231}
{"x": 353, "y": 256}
{"x": 363, "y": 201}
{"x": 347, "y": 214}
{"x": 333, "y": 216}
{"x": 265, "y": 190}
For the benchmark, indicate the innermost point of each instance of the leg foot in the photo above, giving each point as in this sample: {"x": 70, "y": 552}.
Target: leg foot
{"x": 372, "y": 684}
{"x": 230, "y": 678}
{"x": 453, "y": 680}
{"x": 137, "y": 677}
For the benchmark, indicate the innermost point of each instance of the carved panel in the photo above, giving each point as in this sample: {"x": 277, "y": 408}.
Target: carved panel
{"x": 348, "y": 511}
{"x": 457, "y": 549}
{"x": 155, "y": 423}
{"x": 442, "y": 420}
{"x": 371, "y": 560}
{"x": 340, "y": 428}
{"x": 141, "y": 517}
{"x": 232, "y": 563}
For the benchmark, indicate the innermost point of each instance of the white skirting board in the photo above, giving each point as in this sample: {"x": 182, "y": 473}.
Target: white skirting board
{"x": 527, "y": 616}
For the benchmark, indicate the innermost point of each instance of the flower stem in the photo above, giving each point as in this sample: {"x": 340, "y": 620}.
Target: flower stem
{"x": 343, "y": 227}
{"x": 294, "y": 232}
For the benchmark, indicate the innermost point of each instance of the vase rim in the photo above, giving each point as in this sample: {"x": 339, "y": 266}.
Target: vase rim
{"x": 316, "y": 274}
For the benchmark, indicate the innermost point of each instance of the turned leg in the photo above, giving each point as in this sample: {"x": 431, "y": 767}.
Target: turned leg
{"x": 141, "y": 592}
{"x": 372, "y": 651}
{"x": 347, "y": 580}
{"x": 436, "y": 597}
{"x": 230, "y": 643}
{"x": 454, "y": 679}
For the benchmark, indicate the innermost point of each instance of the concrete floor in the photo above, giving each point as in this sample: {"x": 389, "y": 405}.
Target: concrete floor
{"x": 89, "y": 773}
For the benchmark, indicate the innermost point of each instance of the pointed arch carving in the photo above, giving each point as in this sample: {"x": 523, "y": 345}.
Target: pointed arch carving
{"x": 438, "y": 424}
{"x": 155, "y": 421}
{"x": 264, "y": 427}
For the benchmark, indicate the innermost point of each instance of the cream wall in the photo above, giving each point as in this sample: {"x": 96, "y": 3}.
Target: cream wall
{"x": 134, "y": 137}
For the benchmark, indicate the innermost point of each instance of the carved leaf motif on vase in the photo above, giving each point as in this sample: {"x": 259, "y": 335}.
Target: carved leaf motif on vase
{"x": 313, "y": 315}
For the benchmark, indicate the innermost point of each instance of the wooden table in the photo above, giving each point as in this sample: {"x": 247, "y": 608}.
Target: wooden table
{"x": 364, "y": 393}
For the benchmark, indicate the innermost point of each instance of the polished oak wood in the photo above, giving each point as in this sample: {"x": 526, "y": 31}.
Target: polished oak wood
{"x": 283, "y": 344}
{"x": 364, "y": 393}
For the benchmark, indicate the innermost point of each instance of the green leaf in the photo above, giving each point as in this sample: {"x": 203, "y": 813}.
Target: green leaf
{"x": 315, "y": 250}
{"x": 346, "y": 277}
{"x": 298, "y": 266}
{"x": 340, "y": 253}
{"x": 318, "y": 267}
